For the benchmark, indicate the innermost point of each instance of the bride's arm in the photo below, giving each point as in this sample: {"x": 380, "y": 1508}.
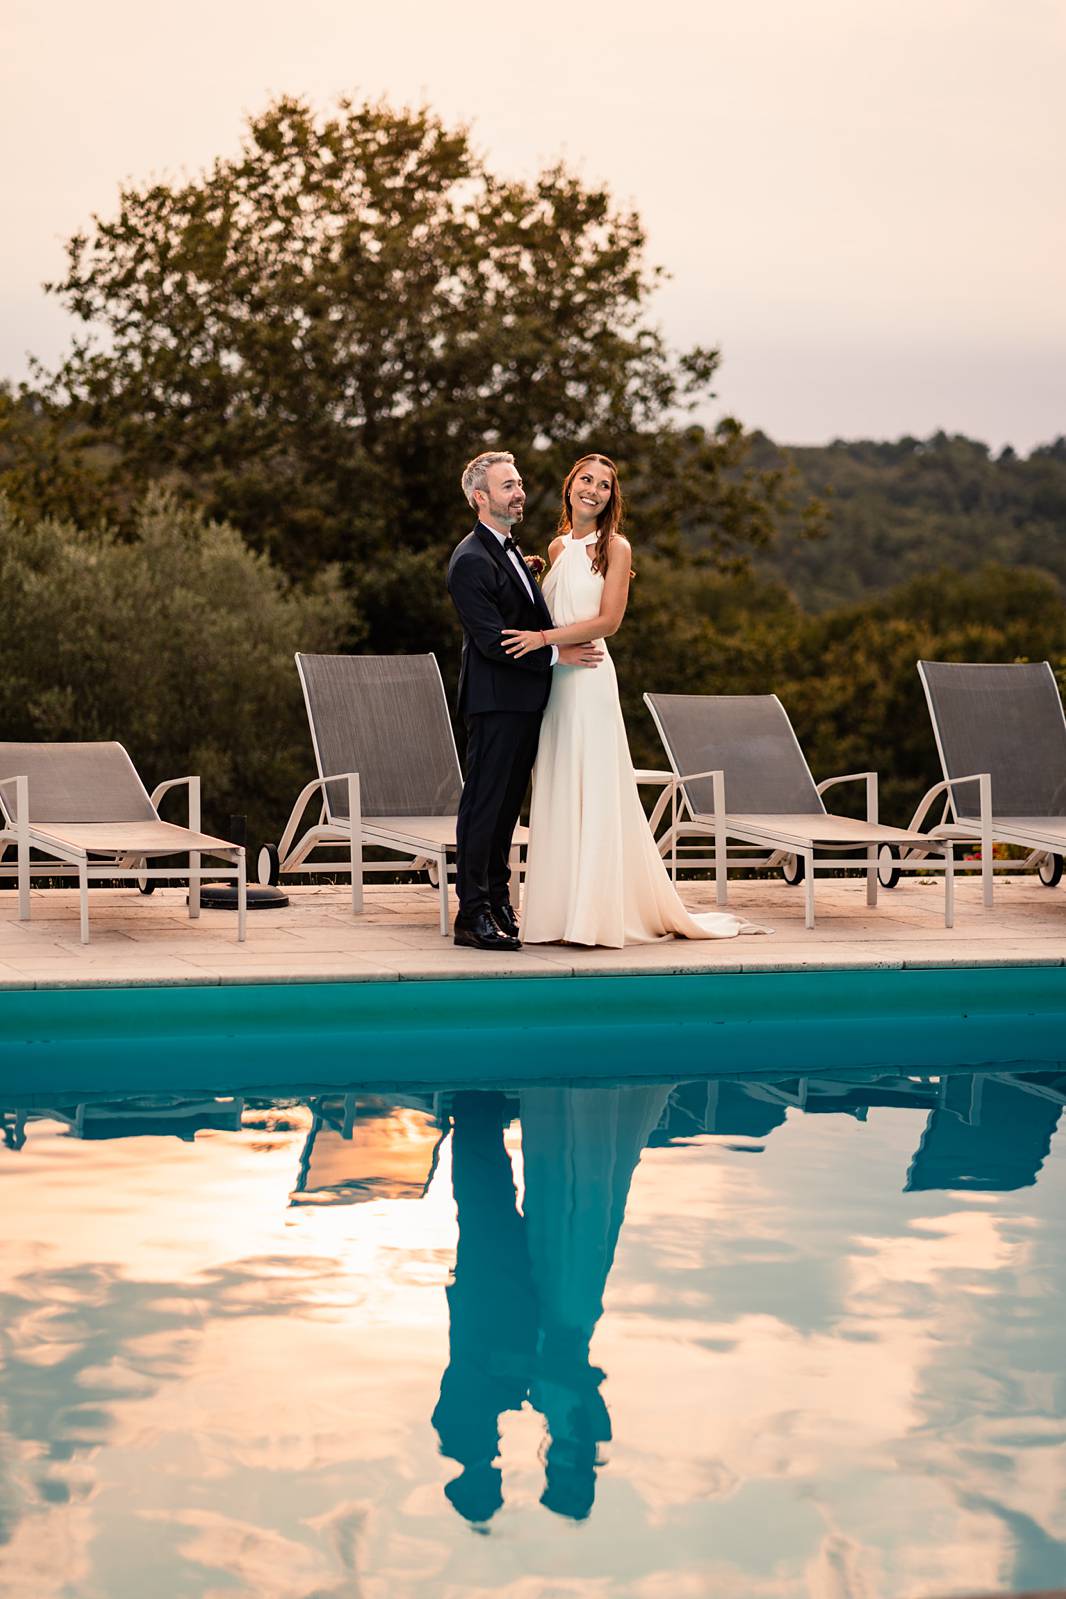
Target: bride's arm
{"x": 607, "y": 622}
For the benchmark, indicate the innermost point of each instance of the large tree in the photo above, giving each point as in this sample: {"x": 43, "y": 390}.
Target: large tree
{"x": 312, "y": 336}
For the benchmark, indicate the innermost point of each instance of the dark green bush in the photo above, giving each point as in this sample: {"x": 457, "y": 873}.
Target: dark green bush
{"x": 178, "y": 642}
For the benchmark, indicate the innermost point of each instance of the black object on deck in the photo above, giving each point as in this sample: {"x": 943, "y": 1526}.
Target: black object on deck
{"x": 223, "y": 896}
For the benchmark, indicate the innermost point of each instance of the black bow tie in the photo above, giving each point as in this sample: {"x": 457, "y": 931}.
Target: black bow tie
{"x": 512, "y": 546}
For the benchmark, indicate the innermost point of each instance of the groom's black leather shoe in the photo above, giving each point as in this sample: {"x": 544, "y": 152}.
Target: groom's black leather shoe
{"x": 479, "y": 931}
{"x": 505, "y": 919}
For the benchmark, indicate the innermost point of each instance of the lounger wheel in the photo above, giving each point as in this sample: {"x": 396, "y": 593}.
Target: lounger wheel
{"x": 269, "y": 866}
{"x": 1050, "y": 871}
{"x": 146, "y": 885}
{"x": 888, "y": 874}
{"x": 793, "y": 870}
{"x": 433, "y": 873}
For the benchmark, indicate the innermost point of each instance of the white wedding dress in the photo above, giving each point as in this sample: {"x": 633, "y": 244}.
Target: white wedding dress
{"x": 593, "y": 874}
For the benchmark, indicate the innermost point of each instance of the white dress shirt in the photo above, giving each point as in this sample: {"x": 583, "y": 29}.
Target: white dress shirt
{"x": 524, "y": 573}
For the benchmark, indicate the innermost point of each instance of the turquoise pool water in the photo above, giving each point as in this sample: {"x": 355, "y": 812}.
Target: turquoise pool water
{"x": 743, "y": 1327}
{"x": 281, "y": 1036}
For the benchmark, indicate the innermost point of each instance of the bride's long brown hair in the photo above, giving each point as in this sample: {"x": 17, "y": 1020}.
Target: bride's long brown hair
{"x": 608, "y": 523}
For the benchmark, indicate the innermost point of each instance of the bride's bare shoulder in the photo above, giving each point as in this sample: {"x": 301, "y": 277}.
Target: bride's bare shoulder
{"x": 555, "y": 548}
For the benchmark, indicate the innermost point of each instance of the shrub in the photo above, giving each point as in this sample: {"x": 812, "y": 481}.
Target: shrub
{"x": 177, "y": 641}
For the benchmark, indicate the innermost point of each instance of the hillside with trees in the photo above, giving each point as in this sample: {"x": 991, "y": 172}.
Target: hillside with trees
{"x": 896, "y": 510}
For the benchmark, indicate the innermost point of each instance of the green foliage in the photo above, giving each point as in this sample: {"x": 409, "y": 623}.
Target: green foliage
{"x": 312, "y": 337}
{"x": 52, "y": 465}
{"x": 178, "y": 642}
{"x": 900, "y": 509}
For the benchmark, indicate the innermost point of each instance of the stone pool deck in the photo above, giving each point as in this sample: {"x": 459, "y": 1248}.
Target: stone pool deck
{"x": 151, "y": 941}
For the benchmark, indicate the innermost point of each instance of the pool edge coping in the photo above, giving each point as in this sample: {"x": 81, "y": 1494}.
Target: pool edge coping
{"x": 560, "y": 972}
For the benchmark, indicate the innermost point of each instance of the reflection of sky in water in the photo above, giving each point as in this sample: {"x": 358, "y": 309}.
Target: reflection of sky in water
{"x": 269, "y": 1362}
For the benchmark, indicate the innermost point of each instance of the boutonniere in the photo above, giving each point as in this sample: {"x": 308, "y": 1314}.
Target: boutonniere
{"x": 535, "y": 564}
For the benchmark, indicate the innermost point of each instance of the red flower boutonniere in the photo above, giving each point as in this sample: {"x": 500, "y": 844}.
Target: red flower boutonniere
{"x": 536, "y": 565}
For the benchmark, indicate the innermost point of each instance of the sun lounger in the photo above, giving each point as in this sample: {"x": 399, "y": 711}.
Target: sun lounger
{"x": 388, "y": 772}
{"x": 1001, "y": 736}
{"x": 741, "y": 777}
{"x": 84, "y": 812}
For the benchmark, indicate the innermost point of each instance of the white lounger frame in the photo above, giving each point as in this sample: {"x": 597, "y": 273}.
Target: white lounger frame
{"x": 763, "y": 847}
{"x": 64, "y": 861}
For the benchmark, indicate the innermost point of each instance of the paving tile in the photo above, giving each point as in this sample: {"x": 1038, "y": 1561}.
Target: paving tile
{"x": 830, "y": 962}
{"x": 240, "y": 961}
{"x": 74, "y": 963}
{"x": 917, "y": 962}
{"x": 35, "y": 952}
{"x": 265, "y": 975}
{"x": 460, "y": 963}
{"x": 169, "y": 976}
{"x": 295, "y": 960}
{"x": 666, "y": 958}
{"x": 223, "y": 937}
{"x": 459, "y": 973}
{"x": 11, "y": 977}
{"x": 326, "y": 941}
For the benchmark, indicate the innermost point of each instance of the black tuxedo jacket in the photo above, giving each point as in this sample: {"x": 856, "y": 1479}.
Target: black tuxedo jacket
{"x": 489, "y": 595}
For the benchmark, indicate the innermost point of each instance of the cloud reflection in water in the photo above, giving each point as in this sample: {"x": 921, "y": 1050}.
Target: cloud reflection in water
{"x": 704, "y": 1323}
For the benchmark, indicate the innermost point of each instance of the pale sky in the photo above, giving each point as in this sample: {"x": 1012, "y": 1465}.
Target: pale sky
{"x": 862, "y": 203}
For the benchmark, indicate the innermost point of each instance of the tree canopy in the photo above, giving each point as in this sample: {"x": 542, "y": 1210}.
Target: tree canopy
{"x": 313, "y": 336}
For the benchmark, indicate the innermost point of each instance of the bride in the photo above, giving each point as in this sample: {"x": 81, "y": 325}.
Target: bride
{"x": 593, "y": 872}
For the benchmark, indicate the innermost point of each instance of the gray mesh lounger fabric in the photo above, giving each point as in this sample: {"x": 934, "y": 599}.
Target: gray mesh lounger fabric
{"x": 385, "y": 717}
{"x": 749, "y": 737}
{"x": 1004, "y": 719}
{"x": 77, "y": 783}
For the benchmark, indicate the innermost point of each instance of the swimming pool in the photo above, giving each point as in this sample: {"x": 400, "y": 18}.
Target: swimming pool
{"x": 782, "y": 1324}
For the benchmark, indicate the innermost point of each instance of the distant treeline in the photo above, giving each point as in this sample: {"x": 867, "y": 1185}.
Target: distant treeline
{"x": 897, "y": 510}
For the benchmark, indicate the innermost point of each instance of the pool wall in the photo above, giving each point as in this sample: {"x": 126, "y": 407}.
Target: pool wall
{"x": 286, "y": 1037}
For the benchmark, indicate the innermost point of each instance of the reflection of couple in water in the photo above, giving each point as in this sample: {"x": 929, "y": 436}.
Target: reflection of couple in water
{"x": 528, "y": 1287}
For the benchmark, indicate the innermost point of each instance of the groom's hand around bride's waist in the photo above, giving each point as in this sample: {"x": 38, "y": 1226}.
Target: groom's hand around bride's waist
{"x": 580, "y": 654}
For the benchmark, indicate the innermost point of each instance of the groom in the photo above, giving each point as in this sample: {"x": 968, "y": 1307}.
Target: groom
{"x": 501, "y": 698}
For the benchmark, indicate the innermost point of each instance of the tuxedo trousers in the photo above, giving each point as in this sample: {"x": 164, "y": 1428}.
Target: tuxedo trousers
{"x": 500, "y": 752}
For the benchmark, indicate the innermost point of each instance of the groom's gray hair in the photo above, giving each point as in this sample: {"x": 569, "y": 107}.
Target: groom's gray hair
{"x": 474, "y": 473}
